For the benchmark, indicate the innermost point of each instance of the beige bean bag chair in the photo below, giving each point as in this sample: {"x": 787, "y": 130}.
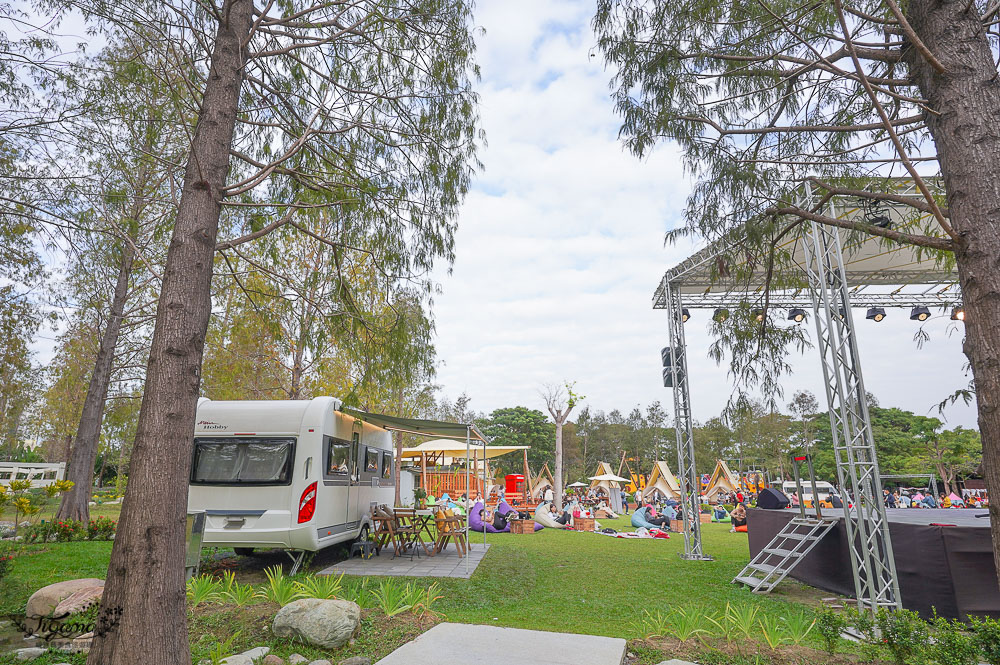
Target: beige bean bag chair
{"x": 543, "y": 517}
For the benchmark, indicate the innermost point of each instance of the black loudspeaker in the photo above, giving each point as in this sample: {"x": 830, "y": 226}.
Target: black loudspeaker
{"x": 772, "y": 499}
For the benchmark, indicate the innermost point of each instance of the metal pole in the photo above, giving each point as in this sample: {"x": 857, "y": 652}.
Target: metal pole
{"x": 687, "y": 476}
{"x": 468, "y": 497}
{"x": 798, "y": 487}
{"x": 872, "y": 562}
{"x": 812, "y": 481}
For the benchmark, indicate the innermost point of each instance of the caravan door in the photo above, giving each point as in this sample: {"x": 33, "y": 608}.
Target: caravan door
{"x": 357, "y": 450}
{"x": 337, "y": 479}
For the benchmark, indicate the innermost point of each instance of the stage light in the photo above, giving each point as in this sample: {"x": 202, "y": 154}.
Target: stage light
{"x": 685, "y": 315}
{"x": 958, "y": 314}
{"x": 797, "y": 315}
{"x": 841, "y": 313}
{"x": 881, "y": 221}
{"x": 758, "y": 315}
{"x": 920, "y": 314}
{"x": 720, "y": 315}
{"x": 875, "y": 314}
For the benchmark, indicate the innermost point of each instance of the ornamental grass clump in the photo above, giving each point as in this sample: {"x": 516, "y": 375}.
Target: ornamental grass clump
{"x": 391, "y": 598}
{"x": 203, "y": 589}
{"x": 652, "y": 625}
{"x": 279, "y": 589}
{"x": 326, "y": 587}
{"x": 686, "y": 622}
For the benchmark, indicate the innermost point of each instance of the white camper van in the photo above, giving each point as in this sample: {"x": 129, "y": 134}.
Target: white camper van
{"x": 296, "y": 475}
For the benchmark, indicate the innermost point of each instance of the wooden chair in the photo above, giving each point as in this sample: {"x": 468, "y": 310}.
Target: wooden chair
{"x": 385, "y": 533}
{"x": 451, "y": 528}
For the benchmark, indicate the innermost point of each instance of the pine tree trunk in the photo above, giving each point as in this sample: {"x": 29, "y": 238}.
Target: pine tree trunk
{"x": 145, "y": 581}
{"x": 75, "y": 504}
{"x": 558, "y": 489}
{"x": 967, "y": 137}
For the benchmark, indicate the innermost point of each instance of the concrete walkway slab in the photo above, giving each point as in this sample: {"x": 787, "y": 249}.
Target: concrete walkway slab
{"x": 445, "y": 564}
{"x": 462, "y": 644}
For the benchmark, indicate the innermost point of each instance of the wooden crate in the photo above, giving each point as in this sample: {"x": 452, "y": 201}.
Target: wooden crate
{"x": 678, "y": 525}
{"x": 522, "y": 526}
{"x": 584, "y": 523}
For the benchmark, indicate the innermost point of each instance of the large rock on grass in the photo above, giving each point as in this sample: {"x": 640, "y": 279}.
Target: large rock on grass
{"x": 323, "y": 623}
{"x": 79, "y": 600}
{"x": 46, "y": 599}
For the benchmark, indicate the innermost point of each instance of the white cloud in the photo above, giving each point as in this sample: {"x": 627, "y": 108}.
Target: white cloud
{"x": 561, "y": 246}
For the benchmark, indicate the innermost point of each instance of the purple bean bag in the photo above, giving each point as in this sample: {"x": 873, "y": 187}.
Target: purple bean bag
{"x": 476, "y": 522}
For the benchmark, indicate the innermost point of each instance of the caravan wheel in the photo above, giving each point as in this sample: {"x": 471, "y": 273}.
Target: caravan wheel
{"x": 243, "y": 551}
{"x": 363, "y": 535}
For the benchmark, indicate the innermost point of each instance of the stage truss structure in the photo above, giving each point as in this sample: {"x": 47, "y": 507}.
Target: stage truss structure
{"x": 841, "y": 270}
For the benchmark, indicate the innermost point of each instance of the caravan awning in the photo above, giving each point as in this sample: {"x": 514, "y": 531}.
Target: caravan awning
{"x": 456, "y": 449}
{"x": 436, "y": 428}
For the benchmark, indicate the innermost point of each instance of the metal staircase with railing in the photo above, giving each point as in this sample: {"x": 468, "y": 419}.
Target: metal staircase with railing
{"x": 783, "y": 553}
{"x": 791, "y": 545}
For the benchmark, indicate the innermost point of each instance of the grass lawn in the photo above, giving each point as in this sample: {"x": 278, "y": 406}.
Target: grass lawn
{"x": 576, "y": 582}
{"x": 48, "y": 512}
{"x": 552, "y": 580}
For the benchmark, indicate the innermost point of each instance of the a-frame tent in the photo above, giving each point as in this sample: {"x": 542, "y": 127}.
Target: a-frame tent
{"x": 604, "y": 469}
{"x": 723, "y": 480}
{"x": 663, "y": 480}
{"x": 611, "y": 487}
{"x": 541, "y": 482}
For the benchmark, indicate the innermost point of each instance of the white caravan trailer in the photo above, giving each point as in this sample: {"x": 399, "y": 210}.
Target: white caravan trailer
{"x": 295, "y": 475}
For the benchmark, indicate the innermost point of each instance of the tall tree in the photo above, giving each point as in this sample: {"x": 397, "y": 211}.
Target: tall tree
{"x": 521, "y": 426}
{"x": 952, "y": 453}
{"x": 804, "y": 407}
{"x": 297, "y": 106}
{"x": 771, "y": 101}
{"x": 560, "y": 400}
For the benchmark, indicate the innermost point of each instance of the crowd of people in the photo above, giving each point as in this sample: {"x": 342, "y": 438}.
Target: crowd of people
{"x": 915, "y": 498}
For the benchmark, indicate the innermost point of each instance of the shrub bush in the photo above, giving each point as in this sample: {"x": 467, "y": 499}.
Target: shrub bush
{"x": 102, "y": 528}
{"x": 904, "y": 634}
{"x": 67, "y": 530}
{"x": 6, "y": 561}
{"x": 952, "y": 644}
{"x": 986, "y": 634}
{"x": 829, "y": 625}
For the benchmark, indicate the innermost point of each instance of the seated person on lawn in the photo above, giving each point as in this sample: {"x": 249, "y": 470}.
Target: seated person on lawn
{"x": 739, "y": 516}
{"x": 560, "y": 516}
{"x": 498, "y": 521}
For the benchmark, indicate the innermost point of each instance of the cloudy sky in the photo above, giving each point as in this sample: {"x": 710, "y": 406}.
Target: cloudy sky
{"x": 561, "y": 246}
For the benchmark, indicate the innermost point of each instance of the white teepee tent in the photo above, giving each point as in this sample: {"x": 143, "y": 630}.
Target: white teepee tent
{"x": 661, "y": 479}
{"x": 723, "y": 480}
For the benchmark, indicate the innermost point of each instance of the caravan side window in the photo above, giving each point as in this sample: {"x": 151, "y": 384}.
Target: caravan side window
{"x": 371, "y": 461}
{"x": 338, "y": 457}
{"x": 386, "y": 465}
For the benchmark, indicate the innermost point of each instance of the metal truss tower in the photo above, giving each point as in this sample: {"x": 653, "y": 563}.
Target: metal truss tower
{"x": 872, "y": 563}
{"x": 687, "y": 476}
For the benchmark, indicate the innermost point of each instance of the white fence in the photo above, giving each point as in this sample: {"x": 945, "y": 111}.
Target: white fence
{"x": 39, "y": 473}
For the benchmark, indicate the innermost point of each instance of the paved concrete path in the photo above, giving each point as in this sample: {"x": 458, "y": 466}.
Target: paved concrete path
{"x": 464, "y": 644}
{"x": 445, "y": 564}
